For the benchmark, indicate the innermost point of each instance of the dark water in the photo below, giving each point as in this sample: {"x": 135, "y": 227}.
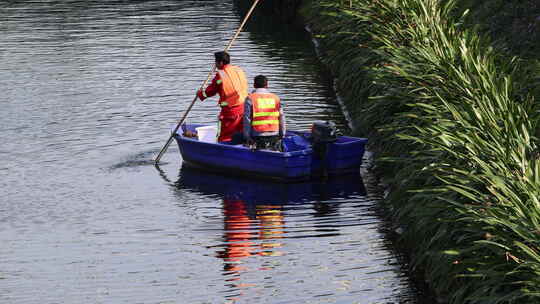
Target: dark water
{"x": 88, "y": 93}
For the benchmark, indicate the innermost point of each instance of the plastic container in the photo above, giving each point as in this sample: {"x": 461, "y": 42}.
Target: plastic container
{"x": 207, "y": 133}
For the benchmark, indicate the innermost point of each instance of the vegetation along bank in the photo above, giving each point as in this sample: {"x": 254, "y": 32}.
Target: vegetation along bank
{"x": 447, "y": 92}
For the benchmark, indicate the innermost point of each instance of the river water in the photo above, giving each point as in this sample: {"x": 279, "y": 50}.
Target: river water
{"x": 89, "y": 91}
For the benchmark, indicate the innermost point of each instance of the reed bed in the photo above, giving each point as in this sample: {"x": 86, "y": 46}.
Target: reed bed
{"x": 454, "y": 122}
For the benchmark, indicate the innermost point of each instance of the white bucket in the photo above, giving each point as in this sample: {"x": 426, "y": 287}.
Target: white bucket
{"x": 207, "y": 133}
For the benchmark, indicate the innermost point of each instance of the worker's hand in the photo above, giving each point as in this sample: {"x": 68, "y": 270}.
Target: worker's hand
{"x": 250, "y": 143}
{"x": 200, "y": 94}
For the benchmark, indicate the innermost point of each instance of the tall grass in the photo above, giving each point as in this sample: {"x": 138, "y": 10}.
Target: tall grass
{"x": 455, "y": 126}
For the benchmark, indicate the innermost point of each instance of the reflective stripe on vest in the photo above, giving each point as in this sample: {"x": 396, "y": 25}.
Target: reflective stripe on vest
{"x": 265, "y": 112}
{"x": 234, "y": 86}
{"x": 266, "y": 122}
{"x": 266, "y": 103}
{"x": 259, "y": 114}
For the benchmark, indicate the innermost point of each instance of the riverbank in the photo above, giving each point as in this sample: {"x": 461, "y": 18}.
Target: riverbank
{"x": 453, "y": 123}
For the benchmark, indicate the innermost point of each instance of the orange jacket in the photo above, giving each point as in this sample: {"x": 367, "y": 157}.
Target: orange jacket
{"x": 266, "y": 112}
{"x": 231, "y": 85}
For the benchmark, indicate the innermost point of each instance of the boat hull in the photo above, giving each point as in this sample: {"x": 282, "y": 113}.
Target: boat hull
{"x": 298, "y": 163}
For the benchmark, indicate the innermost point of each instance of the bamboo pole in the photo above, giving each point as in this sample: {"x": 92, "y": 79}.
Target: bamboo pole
{"x": 166, "y": 146}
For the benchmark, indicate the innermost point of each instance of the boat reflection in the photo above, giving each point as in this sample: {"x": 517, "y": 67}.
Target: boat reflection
{"x": 259, "y": 192}
{"x": 254, "y": 217}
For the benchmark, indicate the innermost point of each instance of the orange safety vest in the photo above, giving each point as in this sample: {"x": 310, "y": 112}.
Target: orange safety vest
{"x": 234, "y": 86}
{"x": 265, "y": 112}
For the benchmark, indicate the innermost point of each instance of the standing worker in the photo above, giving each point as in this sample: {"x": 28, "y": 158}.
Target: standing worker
{"x": 264, "y": 121}
{"x": 231, "y": 85}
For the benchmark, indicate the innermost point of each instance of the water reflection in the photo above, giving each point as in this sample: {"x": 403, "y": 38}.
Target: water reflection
{"x": 262, "y": 192}
{"x": 261, "y": 219}
{"x": 249, "y": 234}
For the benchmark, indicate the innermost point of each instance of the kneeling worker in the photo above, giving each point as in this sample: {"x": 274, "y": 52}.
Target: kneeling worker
{"x": 264, "y": 121}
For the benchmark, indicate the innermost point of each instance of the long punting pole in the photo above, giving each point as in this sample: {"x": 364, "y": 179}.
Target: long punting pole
{"x": 166, "y": 146}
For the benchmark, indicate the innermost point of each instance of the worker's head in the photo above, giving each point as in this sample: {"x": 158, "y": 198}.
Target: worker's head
{"x": 222, "y": 58}
{"x": 260, "y": 81}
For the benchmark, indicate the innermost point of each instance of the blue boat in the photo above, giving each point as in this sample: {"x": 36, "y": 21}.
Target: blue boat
{"x": 300, "y": 161}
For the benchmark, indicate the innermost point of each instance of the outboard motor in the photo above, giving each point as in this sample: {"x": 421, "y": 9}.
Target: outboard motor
{"x": 324, "y": 131}
{"x": 322, "y": 134}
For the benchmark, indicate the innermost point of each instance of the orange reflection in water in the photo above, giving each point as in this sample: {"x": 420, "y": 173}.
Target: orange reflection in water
{"x": 249, "y": 233}
{"x": 271, "y": 229}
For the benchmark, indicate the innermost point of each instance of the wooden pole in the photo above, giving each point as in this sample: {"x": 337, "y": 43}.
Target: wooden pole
{"x": 166, "y": 146}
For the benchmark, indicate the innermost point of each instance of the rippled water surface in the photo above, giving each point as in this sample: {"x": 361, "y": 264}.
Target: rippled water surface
{"x": 89, "y": 91}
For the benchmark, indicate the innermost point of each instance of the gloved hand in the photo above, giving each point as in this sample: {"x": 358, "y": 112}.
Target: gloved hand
{"x": 200, "y": 94}
{"x": 250, "y": 143}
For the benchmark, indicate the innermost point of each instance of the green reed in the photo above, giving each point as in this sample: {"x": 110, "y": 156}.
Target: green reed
{"x": 455, "y": 129}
